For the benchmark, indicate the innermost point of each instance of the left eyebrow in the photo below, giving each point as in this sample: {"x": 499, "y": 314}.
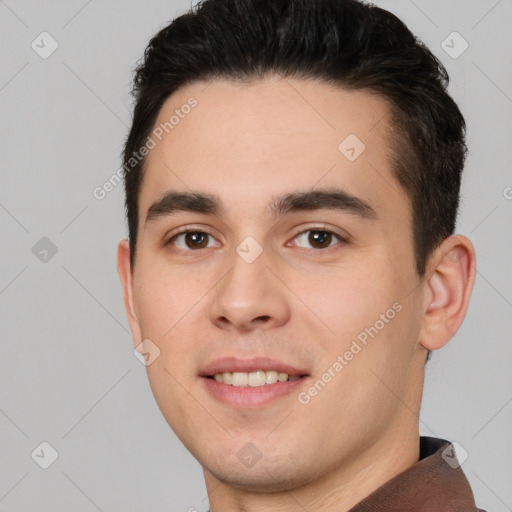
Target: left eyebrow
{"x": 327, "y": 199}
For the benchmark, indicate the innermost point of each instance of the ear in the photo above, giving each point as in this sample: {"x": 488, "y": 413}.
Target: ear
{"x": 124, "y": 269}
{"x": 451, "y": 275}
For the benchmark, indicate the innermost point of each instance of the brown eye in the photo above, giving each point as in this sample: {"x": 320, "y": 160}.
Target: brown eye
{"x": 196, "y": 240}
{"x": 192, "y": 240}
{"x": 320, "y": 239}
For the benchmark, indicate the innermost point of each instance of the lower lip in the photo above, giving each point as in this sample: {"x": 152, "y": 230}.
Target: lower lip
{"x": 248, "y": 397}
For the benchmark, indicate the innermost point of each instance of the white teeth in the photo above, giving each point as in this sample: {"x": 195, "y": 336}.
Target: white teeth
{"x": 256, "y": 378}
{"x": 270, "y": 377}
{"x": 240, "y": 379}
{"x": 253, "y": 379}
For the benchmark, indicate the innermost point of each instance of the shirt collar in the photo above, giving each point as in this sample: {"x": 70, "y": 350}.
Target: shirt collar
{"x": 435, "y": 481}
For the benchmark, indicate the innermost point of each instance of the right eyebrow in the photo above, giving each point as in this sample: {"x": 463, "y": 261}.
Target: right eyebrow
{"x": 174, "y": 202}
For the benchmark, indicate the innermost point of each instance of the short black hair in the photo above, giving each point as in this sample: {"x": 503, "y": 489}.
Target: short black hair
{"x": 348, "y": 43}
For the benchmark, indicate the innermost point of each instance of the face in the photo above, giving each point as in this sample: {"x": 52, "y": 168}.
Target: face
{"x": 286, "y": 247}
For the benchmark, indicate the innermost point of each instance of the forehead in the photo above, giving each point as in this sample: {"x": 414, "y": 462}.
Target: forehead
{"x": 247, "y": 141}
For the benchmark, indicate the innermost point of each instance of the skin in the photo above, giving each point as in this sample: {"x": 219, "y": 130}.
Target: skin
{"x": 296, "y": 302}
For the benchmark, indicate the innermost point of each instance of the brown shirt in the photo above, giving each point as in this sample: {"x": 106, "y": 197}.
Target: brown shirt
{"x": 431, "y": 485}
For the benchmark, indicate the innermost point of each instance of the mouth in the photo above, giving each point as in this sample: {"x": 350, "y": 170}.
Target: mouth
{"x": 251, "y": 383}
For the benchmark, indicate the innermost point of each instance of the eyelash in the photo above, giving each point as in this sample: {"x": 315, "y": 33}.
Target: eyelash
{"x": 319, "y": 229}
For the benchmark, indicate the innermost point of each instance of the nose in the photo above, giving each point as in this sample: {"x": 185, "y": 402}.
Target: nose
{"x": 250, "y": 296}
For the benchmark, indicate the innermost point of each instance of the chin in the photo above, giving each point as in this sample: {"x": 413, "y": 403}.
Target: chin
{"x": 263, "y": 477}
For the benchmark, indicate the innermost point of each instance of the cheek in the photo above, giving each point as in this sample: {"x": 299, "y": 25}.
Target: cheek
{"x": 163, "y": 299}
{"x": 346, "y": 301}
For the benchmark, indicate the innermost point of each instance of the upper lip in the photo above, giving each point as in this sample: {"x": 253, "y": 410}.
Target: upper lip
{"x": 233, "y": 364}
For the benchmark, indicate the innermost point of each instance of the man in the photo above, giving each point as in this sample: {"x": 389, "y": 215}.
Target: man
{"x": 292, "y": 177}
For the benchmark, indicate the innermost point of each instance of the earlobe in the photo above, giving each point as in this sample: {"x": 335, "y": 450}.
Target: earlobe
{"x": 125, "y": 273}
{"x": 448, "y": 290}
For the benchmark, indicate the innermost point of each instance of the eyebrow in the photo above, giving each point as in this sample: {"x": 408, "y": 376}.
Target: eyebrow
{"x": 330, "y": 199}
{"x": 175, "y": 202}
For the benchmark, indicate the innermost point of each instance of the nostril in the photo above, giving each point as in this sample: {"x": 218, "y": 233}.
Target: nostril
{"x": 262, "y": 319}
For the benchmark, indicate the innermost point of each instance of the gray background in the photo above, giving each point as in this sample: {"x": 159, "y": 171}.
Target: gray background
{"x": 67, "y": 373}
